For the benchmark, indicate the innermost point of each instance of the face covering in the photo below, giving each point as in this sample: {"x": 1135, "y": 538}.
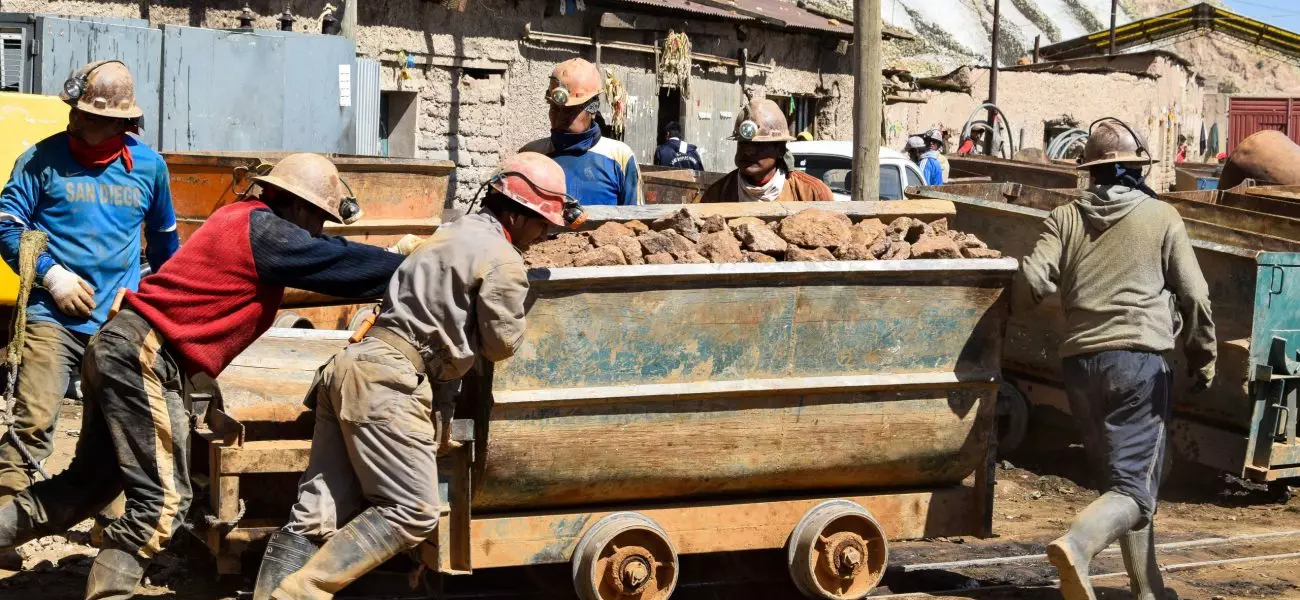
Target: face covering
{"x": 1121, "y": 174}
{"x": 767, "y": 192}
{"x": 102, "y": 154}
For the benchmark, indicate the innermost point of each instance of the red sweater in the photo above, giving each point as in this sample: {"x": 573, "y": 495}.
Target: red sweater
{"x": 221, "y": 290}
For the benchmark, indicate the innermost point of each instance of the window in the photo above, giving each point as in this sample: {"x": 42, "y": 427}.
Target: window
{"x": 800, "y": 112}
{"x": 11, "y": 61}
{"x": 397, "y": 124}
{"x": 914, "y": 178}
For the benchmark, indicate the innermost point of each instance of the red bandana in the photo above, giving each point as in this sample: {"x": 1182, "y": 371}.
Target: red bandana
{"x": 101, "y": 154}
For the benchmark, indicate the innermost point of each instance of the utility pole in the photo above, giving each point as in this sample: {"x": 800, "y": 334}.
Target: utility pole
{"x": 868, "y": 100}
{"x": 348, "y": 26}
{"x": 1114, "y": 10}
{"x": 993, "y": 76}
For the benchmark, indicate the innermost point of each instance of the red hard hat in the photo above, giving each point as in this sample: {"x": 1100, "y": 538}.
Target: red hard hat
{"x": 537, "y": 182}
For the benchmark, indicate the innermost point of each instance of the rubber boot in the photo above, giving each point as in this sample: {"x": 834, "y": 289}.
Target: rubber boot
{"x": 16, "y": 528}
{"x": 1144, "y": 578}
{"x": 115, "y": 575}
{"x": 285, "y": 554}
{"x": 365, "y": 543}
{"x": 1104, "y": 521}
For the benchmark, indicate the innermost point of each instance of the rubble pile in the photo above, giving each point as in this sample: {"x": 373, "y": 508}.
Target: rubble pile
{"x": 812, "y": 235}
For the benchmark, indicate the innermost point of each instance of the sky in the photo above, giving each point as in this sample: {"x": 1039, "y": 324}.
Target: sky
{"x": 1281, "y": 13}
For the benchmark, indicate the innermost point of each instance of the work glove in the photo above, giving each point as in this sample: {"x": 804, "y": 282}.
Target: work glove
{"x": 1202, "y": 378}
{"x": 406, "y": 245}
{"x": 71, "y": 294}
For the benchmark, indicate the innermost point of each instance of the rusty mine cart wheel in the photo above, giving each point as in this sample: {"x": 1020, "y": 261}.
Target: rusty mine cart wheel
{"x": 837, "y": 552}
{"x": 625, "y": 556}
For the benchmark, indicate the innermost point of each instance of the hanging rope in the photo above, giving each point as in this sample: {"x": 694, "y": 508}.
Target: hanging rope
{"x": 616, "y": 94}
{"x": 30, "y": 247}
{"x": 674, "y": 68}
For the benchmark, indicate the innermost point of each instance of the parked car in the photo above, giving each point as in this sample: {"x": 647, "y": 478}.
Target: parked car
{"x": 832, "y": 162}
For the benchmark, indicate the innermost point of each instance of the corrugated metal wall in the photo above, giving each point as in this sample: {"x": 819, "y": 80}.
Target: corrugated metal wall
{"x": 1247, "y": 116}
{"x": 365, "y": 88}
{"x": 67, "y": 44}
{"x": 642, "y": 114}
{"x": 708, "y": 117}
{"x": 262, "y": 90}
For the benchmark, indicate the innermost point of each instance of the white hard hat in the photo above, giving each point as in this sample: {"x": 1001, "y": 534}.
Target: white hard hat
{"x": 915, "y": 143}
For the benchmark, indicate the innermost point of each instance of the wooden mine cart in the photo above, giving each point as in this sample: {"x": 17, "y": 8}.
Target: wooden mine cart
{"x": 661, "y": 410}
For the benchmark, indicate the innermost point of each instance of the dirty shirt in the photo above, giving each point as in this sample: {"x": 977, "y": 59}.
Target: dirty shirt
{"x": 460, "y": 294}
{"x": 597, "y": 170}
{"x": 93, "y": 218}
{"x": 1125, "y": 269}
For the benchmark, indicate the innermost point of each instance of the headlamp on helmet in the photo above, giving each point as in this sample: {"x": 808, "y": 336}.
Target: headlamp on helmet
{"x": 748, "y": 130}
{"x": 559, "y": 95}
{"x": 349, "y": 208}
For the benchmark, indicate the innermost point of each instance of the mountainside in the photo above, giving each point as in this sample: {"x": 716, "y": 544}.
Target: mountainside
{"x": 951, "y": 33}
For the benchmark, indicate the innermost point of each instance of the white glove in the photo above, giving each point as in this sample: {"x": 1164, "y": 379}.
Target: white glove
{"x": 406, "y": 245}
{"x": 72, "y": 294}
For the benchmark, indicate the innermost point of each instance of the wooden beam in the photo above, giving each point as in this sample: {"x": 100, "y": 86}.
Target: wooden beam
{"x": 267, "y": 456}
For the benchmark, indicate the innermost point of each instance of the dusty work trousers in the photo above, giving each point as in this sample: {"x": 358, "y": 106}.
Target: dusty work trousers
{"x": 375, "y": 444}
{"x": 135, "y": 435}
{"x": 1120, "y": 401}
{"x": 51, "y": 356}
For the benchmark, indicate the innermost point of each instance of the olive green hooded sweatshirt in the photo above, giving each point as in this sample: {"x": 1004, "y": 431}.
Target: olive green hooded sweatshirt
{"x": 1123, "y": 264}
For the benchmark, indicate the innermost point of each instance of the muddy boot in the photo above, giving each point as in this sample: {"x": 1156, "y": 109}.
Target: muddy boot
{"x": 115, "y": 575}
{"x": 286, "y": 553}
{"x": 16, "y": 527}
{"x": 1104, "y": 521}
{"x": 365, "y": 543}
{"x": 1144, "y": 578}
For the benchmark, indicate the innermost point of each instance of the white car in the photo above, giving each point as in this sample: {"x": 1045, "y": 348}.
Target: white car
{"x": 832, "y": 162}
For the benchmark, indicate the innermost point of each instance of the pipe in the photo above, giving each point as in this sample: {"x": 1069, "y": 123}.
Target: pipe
{"x": 1005, "y": 560}
{"x": 1061, "y": 144}
{"x": 1114, "y": 9}
{"x": 868, "y": 92}
{"x": 993, "y": 77}
{"x": 993, "y": 131}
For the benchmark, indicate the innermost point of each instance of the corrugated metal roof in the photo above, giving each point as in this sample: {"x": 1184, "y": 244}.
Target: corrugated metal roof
{"x": 776, "y": 13}
{"x": 687, "y": 6}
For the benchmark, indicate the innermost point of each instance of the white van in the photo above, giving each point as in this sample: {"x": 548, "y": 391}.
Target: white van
{"x": 832, "y": 162}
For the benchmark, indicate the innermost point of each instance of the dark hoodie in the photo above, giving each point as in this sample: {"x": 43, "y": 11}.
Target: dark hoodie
{"x": 1122, "y": 262}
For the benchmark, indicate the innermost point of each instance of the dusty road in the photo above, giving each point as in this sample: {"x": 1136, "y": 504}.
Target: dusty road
{"x": 1034, "y": 504}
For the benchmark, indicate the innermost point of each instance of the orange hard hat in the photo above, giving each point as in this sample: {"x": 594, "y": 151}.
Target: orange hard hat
{"x": 574, "y": 82}
{"x": 762, "y": 121}
{"x": 104, "y": 88}
{"x": 537, "y": 182}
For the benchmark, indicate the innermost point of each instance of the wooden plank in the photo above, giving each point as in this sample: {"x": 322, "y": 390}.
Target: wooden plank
{"x": 266, "y": 456}
{"x": 414, "y": 226}
{"x": 514, "y": 540}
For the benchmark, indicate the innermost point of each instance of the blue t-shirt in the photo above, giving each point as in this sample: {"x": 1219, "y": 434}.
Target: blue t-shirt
{"x": 93, "y": 218}
{"x": 597, "y": 170}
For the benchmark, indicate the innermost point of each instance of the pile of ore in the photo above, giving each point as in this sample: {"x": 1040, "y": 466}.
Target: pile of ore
{"x": 812, "y": 235}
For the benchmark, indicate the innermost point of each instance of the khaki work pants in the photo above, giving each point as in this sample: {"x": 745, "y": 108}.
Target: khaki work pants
{"x": 375, "y": 444}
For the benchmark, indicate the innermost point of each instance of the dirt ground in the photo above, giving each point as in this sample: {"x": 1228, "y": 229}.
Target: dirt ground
{"x": 1037, "y": 494}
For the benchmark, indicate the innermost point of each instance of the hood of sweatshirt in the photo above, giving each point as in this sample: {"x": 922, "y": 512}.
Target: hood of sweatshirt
{"x": 1107, "y": 205}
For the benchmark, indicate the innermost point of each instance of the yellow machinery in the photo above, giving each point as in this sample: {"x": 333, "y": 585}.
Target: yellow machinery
{"x": 25, "y": 119}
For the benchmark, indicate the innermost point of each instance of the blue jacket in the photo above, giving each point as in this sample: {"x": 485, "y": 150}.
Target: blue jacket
{"x": 597, "y": 170}
{"x": 679, "y": 155}
{"x": 93, "y": 218}
{"x": 931, "y": 168}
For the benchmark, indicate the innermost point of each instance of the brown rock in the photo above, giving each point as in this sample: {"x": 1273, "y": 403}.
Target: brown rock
{"x": 817, "y": 228}
{"x": 870, "y": 225}
{"x": 758, "y": 237}
{"x": 735, "y": 223}
{"x": 713, "y": 224}
{"x": 654, "y": 242}
{"x": 937, "y": 246}
{"x": 637, "y": 227}
{"x": 682, "y": 221}
{"x": 980, "y": 253}
{"x": 662, "y": 258}
{"x": 854, "y": 252}
{"x": 898, "y": 250}
{"x": 609, "y": 232}
{"x": 758, "y": 257}
{"x": 557, "y": 252}
{"x": 679, "y": 246}
{"x": 692, "y": 257}
{"x": 881, "y": 247}
{"x": 940, "y": 226}
{"x": 910, "y": 229}
{"x": 721, "y": 247}
{"x": 797, "y": 254}
{"x": 631, "y": 250}
{"x": 600, "y": 257}
{"x": 970, "y": 241}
